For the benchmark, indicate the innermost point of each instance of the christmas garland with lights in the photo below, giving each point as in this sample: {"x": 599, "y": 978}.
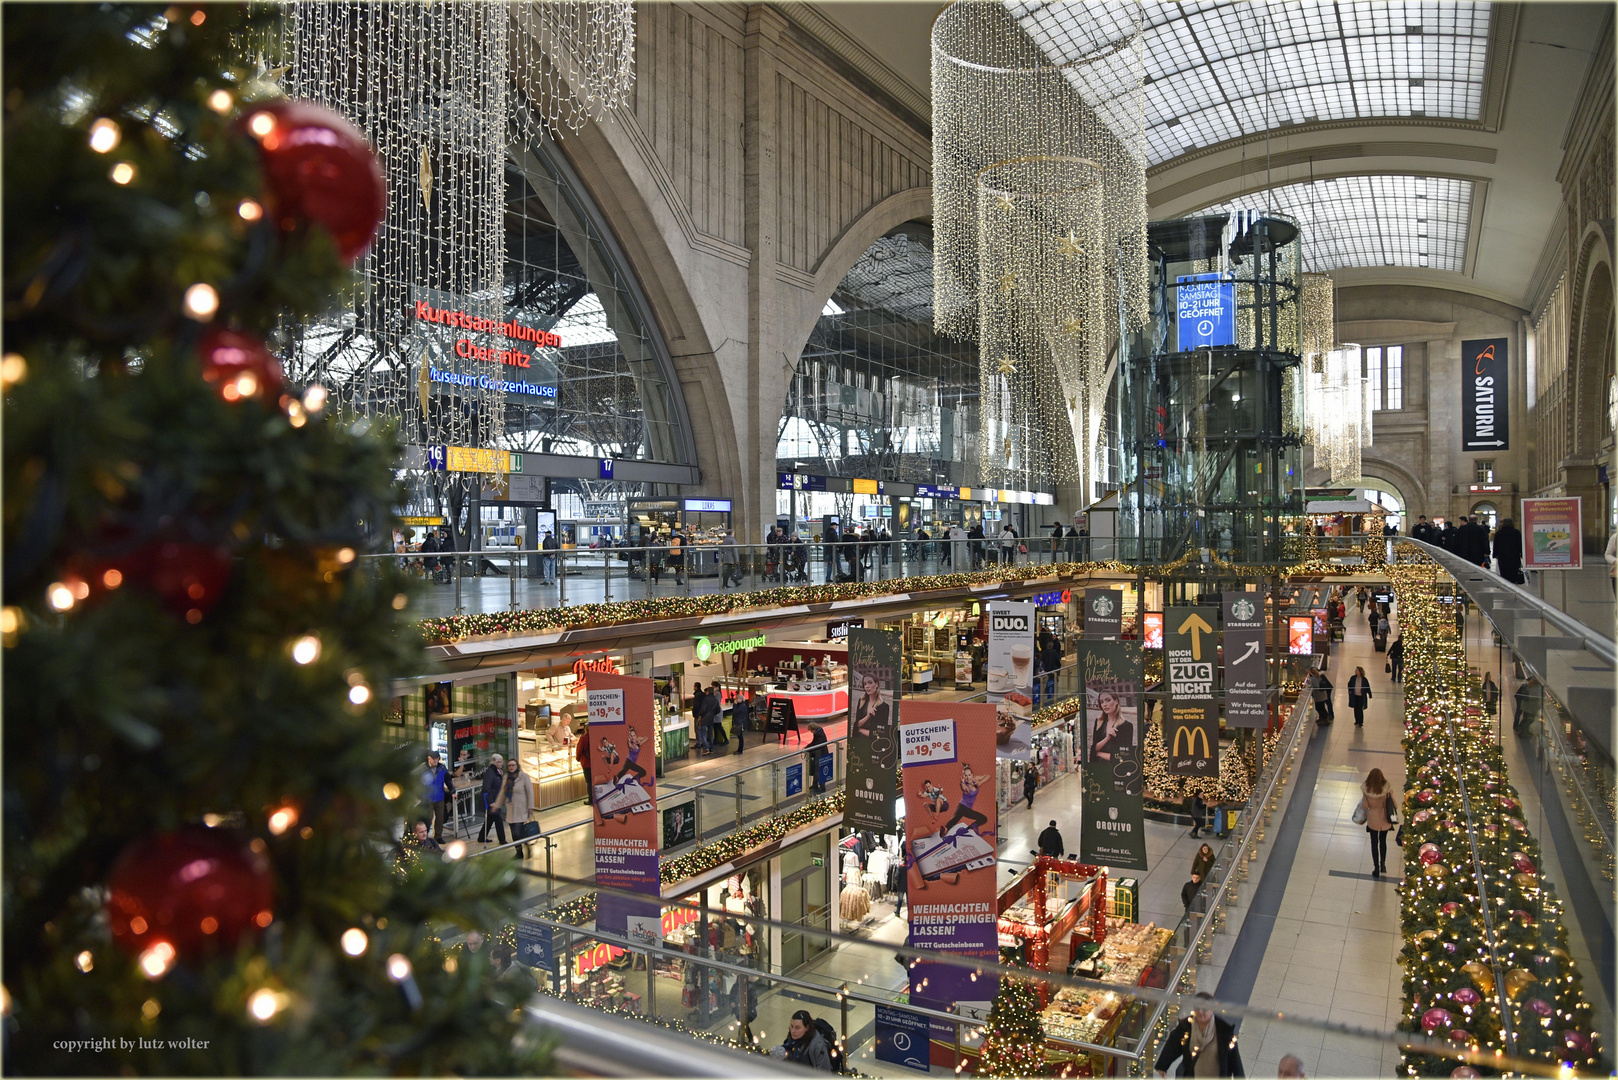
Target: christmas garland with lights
{"x": 452, "y": 628}
{"x": 730, "y": 848}
{"x": 1461, "y": 971}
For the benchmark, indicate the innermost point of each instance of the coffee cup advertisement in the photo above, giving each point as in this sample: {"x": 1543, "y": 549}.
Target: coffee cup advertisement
{"x": 1011, "y": 677}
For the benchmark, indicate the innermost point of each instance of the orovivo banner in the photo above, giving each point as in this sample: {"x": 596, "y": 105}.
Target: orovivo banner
{"x": 624, "y": 791}
{"x": 1247, "y": 692}
{"x": 946, "y": 753}
{"x": 1114, "y": 826}
{"x": 1191, "y": 726}
{"x": 1485, "y": 404}
{"x": 874, "y": 660}
{"x": 1011, "y": 676}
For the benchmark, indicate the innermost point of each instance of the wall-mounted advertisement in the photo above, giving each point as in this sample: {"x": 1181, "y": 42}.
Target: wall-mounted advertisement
{"x": 1103, "y": 614}
{"x": 1152, "y": 623}
{"x": 1551, "y": 530}
{"x": 1191, "y": 730}
{"x": 874, "y": 663}
{"x": 621, "y": 734}
{"x": 1300, "y": 635}
{"x": 1113, "y": 832}
{"x": 1011, "y": 676}
{"x": 946, "y": 753}
{"x": 1485, "y": 403}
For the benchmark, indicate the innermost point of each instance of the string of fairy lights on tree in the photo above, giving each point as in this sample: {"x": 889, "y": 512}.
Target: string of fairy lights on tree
{"x": 1485, "y": 958}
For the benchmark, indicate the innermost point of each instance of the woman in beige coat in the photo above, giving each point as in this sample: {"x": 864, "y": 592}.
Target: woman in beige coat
{"x": 518, "y": 795}
{"x": 1376, "y": 800}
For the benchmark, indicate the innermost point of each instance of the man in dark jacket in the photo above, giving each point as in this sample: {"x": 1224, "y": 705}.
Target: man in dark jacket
{"x": 741, "y": 713}
{"x": 1472, "y": 542}
{"x": 1446, "y": 537}
{"x": 1422, "y": 531}
{"x": 1508, "y": 551}
{"x": 1050, "y": 842}
{"x": 494, "y": 778}
{"x": 1201, "y": 1033}
{"x": 817, "y": 739}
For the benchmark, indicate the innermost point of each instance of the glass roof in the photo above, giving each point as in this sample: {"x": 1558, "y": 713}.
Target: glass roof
{"x": 1418, "y": 221}
{"x": 1208, "y": 64}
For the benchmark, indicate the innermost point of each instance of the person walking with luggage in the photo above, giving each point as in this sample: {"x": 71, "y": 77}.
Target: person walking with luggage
{"x": 1396, "y": 659}
{"x": 1359, "y": 695}
{"x": 494, "y": 779}
{"x": 1378, "y": 814}
{"x": 1382, "y": 629}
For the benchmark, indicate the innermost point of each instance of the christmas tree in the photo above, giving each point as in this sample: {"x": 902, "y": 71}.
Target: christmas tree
{"x": 199, "y": 805}
{"x": 1015, "y": 1044}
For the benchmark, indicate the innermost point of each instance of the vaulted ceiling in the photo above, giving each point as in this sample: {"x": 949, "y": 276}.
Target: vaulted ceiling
{"x": 1418, "y": 141}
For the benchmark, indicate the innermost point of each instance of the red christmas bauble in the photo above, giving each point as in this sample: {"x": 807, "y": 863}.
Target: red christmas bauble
{"x": 195, "y": 888}
{"x": 1521, "y": 862}
{"x": 1430, "y": 857}
{"x": 1436, "y": 1018}
{"x": 319, "y": 168}
{"x": 239, "y": 365}
{"x": 188, "y": 578}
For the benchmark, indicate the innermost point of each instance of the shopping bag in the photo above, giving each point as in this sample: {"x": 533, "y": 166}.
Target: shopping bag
{"x": 1359, "y": 813}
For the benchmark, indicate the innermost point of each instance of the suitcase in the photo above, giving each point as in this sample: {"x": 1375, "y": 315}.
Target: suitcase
{"x": 1381, "y": 644}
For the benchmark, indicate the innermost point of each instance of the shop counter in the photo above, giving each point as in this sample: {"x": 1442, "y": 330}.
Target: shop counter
{"x": 676, "y": 739}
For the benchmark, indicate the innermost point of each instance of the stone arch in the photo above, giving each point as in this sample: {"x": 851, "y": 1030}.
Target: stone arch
{"x": 1590, "y": 342}
{"x": 1401, "y": 481}
{"x": 912, "y": 204}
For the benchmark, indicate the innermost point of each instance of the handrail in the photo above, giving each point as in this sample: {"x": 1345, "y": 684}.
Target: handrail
{"x": 1297, "y": 722}
{"x": 594, "y": 1043}
{"x": 1464, "y": 572}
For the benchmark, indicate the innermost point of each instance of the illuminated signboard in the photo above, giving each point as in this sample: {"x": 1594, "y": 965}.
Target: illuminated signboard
{"x": 865, "y": 487}
{"x": 484, "y": 382}
{"x": 940, "y": 491}
{"x": 794, "y": 482}
{"x": 1319, "y": 615}
{"x": 1052, "y": 599}
{"x": 478, "y": 460}
{"x": 708, "y": 506}
{"x": 1152, "y": 621}
{"x": 1300, "y": 635}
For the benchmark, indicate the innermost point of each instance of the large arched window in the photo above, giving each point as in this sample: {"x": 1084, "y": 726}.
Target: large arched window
{"x": 876, "y": 394}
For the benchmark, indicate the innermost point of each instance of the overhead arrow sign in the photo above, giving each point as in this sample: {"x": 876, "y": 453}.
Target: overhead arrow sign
{"x": 1197, "y": 626}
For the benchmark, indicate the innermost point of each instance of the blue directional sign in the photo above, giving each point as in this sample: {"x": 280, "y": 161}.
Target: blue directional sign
{"x": 437, "y": 458}
{"x": 605, "y": 472}
{"x": 536, "y": 945}
{"x": 1206, "y": 307}
{"x": 902, "y": 1038}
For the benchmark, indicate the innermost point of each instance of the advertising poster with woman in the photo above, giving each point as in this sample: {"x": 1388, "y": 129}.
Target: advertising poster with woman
{"x": 947, "y": 753}
{"x": 624, "y": 793}
{"x": 873, "y": 720}
{"x": 1114, "y": 826}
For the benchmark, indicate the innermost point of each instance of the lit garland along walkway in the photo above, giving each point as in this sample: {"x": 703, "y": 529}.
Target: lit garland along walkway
{"x": 1564, "y": 854}
{"x": 1332, "y": 943}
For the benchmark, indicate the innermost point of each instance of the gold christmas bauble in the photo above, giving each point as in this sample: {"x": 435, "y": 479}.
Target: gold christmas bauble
{"x": 1517, "y": 979}
{"x": 1435, "y": 870}
{"x": 1481, "y": 974}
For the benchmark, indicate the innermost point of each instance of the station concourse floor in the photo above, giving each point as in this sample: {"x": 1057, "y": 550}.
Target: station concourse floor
{"x": 1311, "y": 933}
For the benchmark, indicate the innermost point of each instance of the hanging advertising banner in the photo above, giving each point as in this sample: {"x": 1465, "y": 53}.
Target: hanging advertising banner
{"x": 874, "y": 662}
{"x": 1114, "y": 825}
{"x": 1191, "y": 728}
{"x": 1552, "y": 531}
{"x": 1103, "y": 614}
{"x": 946, "y": 753}
{"x": 1011, "y": 677}
{"x": 1485, "y": 405}
{"x": 624, "y": 790}
{"x": 1247, "y": 694}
